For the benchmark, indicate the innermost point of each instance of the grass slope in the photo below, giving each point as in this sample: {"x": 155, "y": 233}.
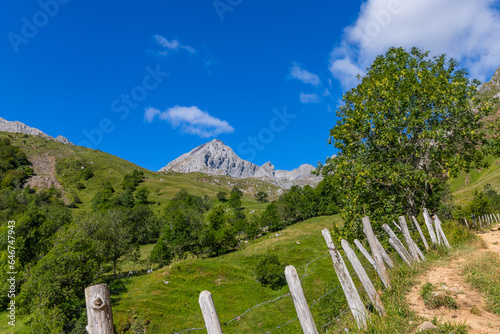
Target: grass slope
{"x": 465, "y": 184}
{"x": 230, "y": 279}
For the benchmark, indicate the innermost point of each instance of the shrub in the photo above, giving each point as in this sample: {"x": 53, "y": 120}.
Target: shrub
{"x": 80, "y": 186}
{"x": 270, "y": 272}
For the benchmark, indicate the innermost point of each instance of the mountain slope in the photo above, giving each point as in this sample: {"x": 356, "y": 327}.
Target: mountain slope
{"x": 61, "y": 165}
{"x": 217, "y": 158}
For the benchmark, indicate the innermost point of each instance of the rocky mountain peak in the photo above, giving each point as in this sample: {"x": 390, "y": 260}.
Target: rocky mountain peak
{"x": 217, "y": 158}
{"x": 18, "y": 127}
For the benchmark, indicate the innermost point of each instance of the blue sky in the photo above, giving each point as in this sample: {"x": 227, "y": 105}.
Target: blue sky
{"x": 148, "y": 81}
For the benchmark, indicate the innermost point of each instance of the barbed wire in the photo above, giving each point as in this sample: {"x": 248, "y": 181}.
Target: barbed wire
{"x": 338, "y": 317}
{"x": 266, "y": 302}
{"x": 272, "y": 330}
{"x": 190, "y": 329}
{"x": 326, "y": 294}
{"x": 307, "y": 265}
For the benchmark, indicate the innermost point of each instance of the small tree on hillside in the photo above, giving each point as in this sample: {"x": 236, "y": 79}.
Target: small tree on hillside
{"x": 410, "y": 124}
{"x": 261, "y": 196}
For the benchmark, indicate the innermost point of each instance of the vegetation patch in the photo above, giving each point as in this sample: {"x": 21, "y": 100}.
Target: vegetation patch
{"x": 482, "y": 272}
{"x": 434, "y": 298}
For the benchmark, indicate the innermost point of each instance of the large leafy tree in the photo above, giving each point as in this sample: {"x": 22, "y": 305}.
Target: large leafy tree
{"x": 411, "y": 123}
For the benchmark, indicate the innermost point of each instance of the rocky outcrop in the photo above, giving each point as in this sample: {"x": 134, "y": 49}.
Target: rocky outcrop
{"x": 214, "y": 157}
{"x": 18, "y": 127}
{"x": 217, "y": 158}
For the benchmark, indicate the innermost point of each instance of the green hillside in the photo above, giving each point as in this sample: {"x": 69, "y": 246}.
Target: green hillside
{"x": 63, "y": 163}
{"x": 465, "y": 184}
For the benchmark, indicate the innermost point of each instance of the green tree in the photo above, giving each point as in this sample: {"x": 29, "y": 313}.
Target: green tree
{"x": 235, "y": 198}
{"x": 410, "y": 124}
{"x": 222, "y": 196}
{"x": 261, "y": 196}
{"x": 141, "y": 195}
{"x": 219, "y": 236}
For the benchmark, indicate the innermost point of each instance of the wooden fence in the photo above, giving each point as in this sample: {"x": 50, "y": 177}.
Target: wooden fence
{"x": 100, "y": 317}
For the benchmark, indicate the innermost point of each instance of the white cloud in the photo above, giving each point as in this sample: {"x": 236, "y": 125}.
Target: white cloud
{"x": 150, "y": 114}
{"x": 172, "y": 45}
{"x": 305, "y": 76}
{"x": 191, "y": 120}
{"x": 309, "y": 98}
{"x": 463, "y": 29}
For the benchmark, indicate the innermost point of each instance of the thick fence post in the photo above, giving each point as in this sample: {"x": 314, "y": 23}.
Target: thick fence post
{"x": 376, "y": 252}
{"x": 409, "y": 241}
{"x": 430, "y": 228}
{"x": 353, "y": 299}
{"x": 363, "y": 277}
{"x": 396, "y": 240}
{"x": 300, "y": 302}
{"x": 99, "y": 313}
{"x": 209, "y": 313}
{"x": 417, "y": 225}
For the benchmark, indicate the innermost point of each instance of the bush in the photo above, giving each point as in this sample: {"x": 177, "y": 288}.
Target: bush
{"x": 222, "y": 196}
{"x": 261, "y": 196}
{"x": 87, "y": 174}
{"x": 270, "y": 272}
{"x": 80, "y": 186}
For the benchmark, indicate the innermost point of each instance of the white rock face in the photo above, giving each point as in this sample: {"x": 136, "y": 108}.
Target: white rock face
{"x": 217, "y": 158}
{"x": 18, "y": 127}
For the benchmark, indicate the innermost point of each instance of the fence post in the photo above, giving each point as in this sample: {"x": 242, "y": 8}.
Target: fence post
{"x": 300, "y": 302}
{"x": 384, "y": 254}
{"x": 417, "y": 225}
{"x": 498, "y": 216}
{"x": 376, "y": 252}
{"x": 430, "y": 228}
{"x": 400, "y": 252}
{"x": 99, "y": 313}
{"x": 209, "y": 313}
{"x": 409, "y": 241}
{"x": 396, "y": 240}
{"x": 443, "y": 236}
{"x": 370, "y": 259}
{"x": 353, "y": 299}
{"x": 363, "y": 277}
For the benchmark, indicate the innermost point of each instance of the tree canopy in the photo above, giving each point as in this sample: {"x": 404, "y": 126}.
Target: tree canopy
{"x": 411, "y": 123}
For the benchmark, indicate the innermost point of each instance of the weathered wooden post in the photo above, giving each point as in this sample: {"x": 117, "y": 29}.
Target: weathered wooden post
{"x": 356, "y": 305}
{"x": 376, "y": 253}
{"x": 430, "y": 228}
{"x": 99, "y": 313}
{"x": 384, "y": 254}
{"x": 496, "y": 219}
{"x": 417, "y": 225}
{"x": 396, "y": 240}
{"x": 400, "y": 251}
{"x": 498, "y": 216}
{"x": 409, "y": 241}
{"x": 300, "y": 302}
{"x": 441, "y": 232}
{"x": 364, "y": 278}
{"x": 209, "y": 313}
{"x": 369, "y": 258}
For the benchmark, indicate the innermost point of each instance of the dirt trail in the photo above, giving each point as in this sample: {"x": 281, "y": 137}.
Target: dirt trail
{"x": 448, "y": 278}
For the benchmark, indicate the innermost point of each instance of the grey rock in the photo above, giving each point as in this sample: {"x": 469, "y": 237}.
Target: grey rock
{"x": 217, "y": 158}
{"x": 425, "y": 326}
{"x": 18, "y": 127}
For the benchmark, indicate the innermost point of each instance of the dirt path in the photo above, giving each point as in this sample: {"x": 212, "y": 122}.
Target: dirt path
{"x": 472, "y": 307}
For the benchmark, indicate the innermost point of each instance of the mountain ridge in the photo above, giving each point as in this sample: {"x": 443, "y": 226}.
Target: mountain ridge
{"x": 19, "y": 127}
{"x": 215, "y": 157}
